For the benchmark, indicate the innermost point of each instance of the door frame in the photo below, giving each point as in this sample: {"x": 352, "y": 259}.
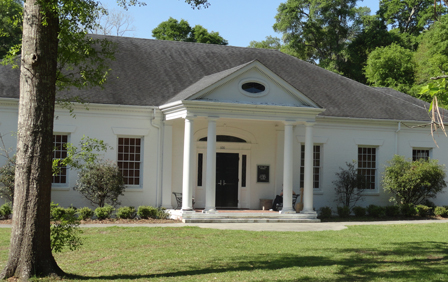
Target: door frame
{"x": 224, "y": 147}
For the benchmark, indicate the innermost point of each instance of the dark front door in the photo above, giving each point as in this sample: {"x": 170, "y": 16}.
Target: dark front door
{"x": 227, "y": 180}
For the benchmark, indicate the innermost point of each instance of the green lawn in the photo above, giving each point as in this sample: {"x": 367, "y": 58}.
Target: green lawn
{"x": 360, "y": 253}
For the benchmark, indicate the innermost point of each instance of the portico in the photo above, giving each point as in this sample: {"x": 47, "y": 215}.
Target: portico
{"x": 210, "y": 114}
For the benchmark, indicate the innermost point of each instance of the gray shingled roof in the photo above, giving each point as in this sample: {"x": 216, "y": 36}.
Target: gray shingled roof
{"x": 153, "y": 72}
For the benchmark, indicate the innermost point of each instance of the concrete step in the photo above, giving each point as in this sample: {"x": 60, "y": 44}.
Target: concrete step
{"x": 249, "y": 220}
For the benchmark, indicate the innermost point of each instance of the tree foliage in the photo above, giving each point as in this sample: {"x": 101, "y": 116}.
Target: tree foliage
{"x": 348, "y": 186}
{"x": 101, "y": 183}
{"x": 409, "y": 16}
{"x": 432, "y": 53}
{"x": 320, "y": 31}
{"x": 270, "y": 42}
{"x": 174, "y": 30}
{"x": 413, "y": 182}
{"x": 391, "y": 66}
{"x": 10, "y": 25}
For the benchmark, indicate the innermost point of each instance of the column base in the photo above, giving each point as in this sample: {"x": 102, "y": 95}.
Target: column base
{"x": 308, "y": 212}
{"x": 187, "y": 211}
{"x": 287, "y": 211}
{"x": 210, "y": 210}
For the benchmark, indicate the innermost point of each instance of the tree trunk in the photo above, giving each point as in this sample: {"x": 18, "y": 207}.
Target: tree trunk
{"x": 30, "y": 250}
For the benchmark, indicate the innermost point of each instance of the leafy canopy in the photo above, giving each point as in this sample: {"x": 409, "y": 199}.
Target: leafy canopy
{"x": 10, "y": 25}
{"x": 391, "y": 66}
{"x": 319, "y": 31}
{"x": 413, "y": 182}
{"x": 174, "y": 30}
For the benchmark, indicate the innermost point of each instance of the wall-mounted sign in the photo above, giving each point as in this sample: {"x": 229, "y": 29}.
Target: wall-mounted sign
{"x": 262, "y": 173}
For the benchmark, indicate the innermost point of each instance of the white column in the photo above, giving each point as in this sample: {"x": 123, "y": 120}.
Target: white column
{"x": 187, "y": 177}
{"x": 210, "y": 177}
{"x": 308, "y": 173}
{"x": 287, "y": 169}
{"x": 167, "y": 170}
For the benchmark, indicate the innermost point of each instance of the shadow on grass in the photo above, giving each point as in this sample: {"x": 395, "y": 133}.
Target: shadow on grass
{"x": 407, "y": 261}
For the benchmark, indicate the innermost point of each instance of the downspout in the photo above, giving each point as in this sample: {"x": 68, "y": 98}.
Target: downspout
{"x": 159, "y": 156}
{"x": 396, "y": 138}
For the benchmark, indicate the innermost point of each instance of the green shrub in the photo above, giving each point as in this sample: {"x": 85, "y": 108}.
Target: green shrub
{"x": 101, "y": 183}
{"x": 104, "y": 212}
{"x": 343, "y": 211}
{"x": 408, "y": 210}
{"x": 146, "y": 212}
{"x": 7, "y": 174}
{"x": 359, "y": 211}
{"x": 84, "y": 213}
{"x": 325, "y": 212}
{"x": 413, "y": 182}
{"x": 64, "y": 231}
{"x": 376, "y": 211}
{"x": 56, "y": 212}
{"x": 392, "y": 211}
{"x": 162, "y": 214}
{"x": 125, "y": 212}
{"x": 5, "y": 210}
{"x": 441, "y": 211}
{"x": 423, "y": 210}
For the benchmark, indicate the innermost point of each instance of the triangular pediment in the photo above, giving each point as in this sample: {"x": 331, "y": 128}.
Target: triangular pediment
{"x": 228, "y": 86}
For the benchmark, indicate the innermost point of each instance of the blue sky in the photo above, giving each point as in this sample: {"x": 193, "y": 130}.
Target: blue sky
{"x": 238, "y": 21}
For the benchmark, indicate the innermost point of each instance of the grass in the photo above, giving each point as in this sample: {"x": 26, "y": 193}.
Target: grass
{"x": 359, "y": 253}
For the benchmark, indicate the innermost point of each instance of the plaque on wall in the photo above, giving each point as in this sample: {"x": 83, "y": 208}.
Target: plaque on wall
{"x": 262, "y": 173}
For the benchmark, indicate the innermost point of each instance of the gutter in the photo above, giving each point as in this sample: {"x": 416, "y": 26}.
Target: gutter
{"x": 396, "y": 138}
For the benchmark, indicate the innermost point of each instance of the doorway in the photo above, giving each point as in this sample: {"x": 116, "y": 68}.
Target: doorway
{"x": 227, "y": 180}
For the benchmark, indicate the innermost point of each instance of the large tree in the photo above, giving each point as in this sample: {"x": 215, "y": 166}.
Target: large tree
{"x": 175, "y": 30}
{"x": 320, "y": 31}
{"x": 49, "y": 26}
{"x": 409, "y": 16}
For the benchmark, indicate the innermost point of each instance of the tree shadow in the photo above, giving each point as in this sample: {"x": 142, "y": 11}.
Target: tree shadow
{"x": 358, "y": 264}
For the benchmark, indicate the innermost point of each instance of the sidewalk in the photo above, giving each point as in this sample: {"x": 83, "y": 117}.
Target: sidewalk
{"x": 293, "y": 227}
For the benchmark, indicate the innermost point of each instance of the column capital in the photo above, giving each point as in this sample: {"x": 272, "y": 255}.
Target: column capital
{"x": 212, "y": 118}
{"x": 310, "y": 123}
{"x": 290, "y": 122}
{"x": 189, "y": 117}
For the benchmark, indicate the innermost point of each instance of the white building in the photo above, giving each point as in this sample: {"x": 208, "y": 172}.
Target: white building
{"x": 277, "y": 121}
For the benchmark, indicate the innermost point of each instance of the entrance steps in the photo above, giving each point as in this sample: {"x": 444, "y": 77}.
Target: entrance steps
{"x": 243, "y": 216}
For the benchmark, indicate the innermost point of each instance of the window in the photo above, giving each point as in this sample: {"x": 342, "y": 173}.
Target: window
{"x": 60, "y": 152}
{"x": 316, "y": 166}
{"x": 367, "y": 165}
{"x": 418, "y": 154}
{"x": 226, "y": 138}
{"x": 129, "y": 161}
{"x": 253, "y": 87}
{"x": 200, "y": 164}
